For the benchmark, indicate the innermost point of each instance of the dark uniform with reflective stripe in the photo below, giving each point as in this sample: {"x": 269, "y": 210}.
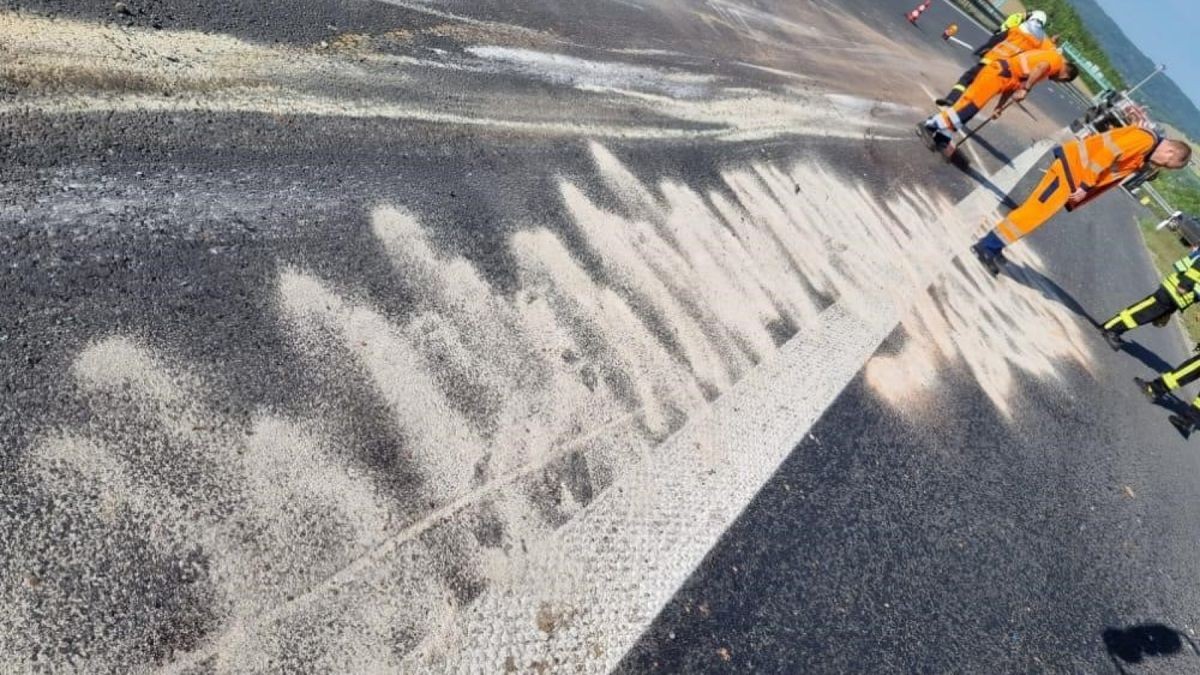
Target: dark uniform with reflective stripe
{"x": 1177, "y": 293}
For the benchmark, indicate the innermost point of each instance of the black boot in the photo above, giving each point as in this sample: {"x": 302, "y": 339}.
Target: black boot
{"x": 1183, "y": 425}
{"x": 990, "y": 260}
{"x": 943, "y": 102}
{"x": 1113, "y": 339}
{"x": 928, "y": 135}
{"x": 1153, "y": 389}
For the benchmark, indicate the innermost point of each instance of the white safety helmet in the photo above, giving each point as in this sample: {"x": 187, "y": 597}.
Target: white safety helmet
{"x": 1035, "y": 25}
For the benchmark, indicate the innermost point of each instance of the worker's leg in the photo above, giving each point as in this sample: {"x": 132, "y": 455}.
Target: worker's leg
{"x": 1048, "y": 198}
{"x": 987, "y": 86}
{"x": 962, "y": 84}
{"x": 1155, "y": 307}
{"x": 1189, "y": 421}
{"x": 1183, "y": 375}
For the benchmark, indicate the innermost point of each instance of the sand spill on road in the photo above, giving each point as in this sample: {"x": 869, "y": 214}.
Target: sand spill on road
{"x": 515, "y": 410}
{"x": 997, "y": 327}
{"x": 61, "y": 66}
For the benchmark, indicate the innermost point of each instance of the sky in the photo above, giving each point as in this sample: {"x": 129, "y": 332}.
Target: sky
{"x": 1165, "y": 30}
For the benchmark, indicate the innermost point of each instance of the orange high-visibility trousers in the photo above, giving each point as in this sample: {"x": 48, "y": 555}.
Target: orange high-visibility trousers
{"x": 1047, "y": 199}
{"x": 993, "y": 81}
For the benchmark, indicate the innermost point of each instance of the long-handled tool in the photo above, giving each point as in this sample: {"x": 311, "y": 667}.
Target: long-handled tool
{"x": 994, "y": 116}
{"x": 971, "y": 132}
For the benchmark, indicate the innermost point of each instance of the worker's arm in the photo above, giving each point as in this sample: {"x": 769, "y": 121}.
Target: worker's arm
{"x": 1106, "y": 180}
{"x": 1039, "y": 73}
{"x": 1012, "y": 21}
{"x": 1001, "y": 104}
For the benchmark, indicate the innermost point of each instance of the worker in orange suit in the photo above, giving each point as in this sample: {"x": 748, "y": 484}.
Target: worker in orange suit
{"x": 1006, "y": 78}
{"x": 1008, "y": 42}
{"x": 1082, "y": 170}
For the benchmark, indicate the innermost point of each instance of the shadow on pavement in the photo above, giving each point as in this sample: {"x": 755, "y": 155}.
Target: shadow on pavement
{"x": 1027, "y": 112}
{"x": 1028, "y": 276}
{"x": 959, "y": 161}
{"x": 993, "y": 150}
{"x": 1148, "y": 358}
{"x": 1133, "y": 645}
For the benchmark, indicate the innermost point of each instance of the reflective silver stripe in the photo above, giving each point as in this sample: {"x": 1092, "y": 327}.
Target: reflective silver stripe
{"x": 1085, "y": 160}
{"x": 1112, "y": 146}
{"x": 954, "y": 118}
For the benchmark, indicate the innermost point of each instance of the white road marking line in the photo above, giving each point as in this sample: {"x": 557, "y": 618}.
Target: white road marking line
{"x": 590, "y": 591}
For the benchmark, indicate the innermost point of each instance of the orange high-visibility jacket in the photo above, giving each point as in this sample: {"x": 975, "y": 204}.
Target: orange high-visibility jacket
{"x": 1101, "y": 161}
{"x": 1016, "y": 42}
{"x": 1024, "y": 63}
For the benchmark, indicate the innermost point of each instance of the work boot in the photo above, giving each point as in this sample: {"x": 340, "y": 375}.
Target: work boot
{"x": 1153, "y": 389}
{"x": 946, "y": 145}
{"x": 927, "y": 134}
{"x": 1185, "y": 424}
{"x": 990, "y": 260}
{"x": 943, "y": 102}
{"x": 1113, "y": 339}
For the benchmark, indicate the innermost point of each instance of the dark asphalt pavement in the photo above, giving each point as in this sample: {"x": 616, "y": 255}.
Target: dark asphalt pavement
{"x": 1062, "y": 540}
{"x": 883, "y": 544}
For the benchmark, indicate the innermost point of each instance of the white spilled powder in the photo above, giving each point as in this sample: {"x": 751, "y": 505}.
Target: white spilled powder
{"x": 856, "y": 105}
{"x": 514, "y": 349}
{"x": 119, "y": 362}
{"x": 69, "y": 54}
{"x": 586, "y": 594}
{"x": 453, "y": 288}
{"x": 437, "y": 437}
{"x": 71, "y": 67}
{"x": 574, "y": 381}
{"x": 84, "y": 468}
{"x": 616, "y": 242}
{"x": 289, "y": 472}
{"x": 573, "y": 71}
{"x": 997, "y": 327}
{"x": 624, "y": 347}
{"x": 210, "y": 481}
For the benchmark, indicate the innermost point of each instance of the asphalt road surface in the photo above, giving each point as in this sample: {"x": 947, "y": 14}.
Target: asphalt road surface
{"x": 362, "y": 336}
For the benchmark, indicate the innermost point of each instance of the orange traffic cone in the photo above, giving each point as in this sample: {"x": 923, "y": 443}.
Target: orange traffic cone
{"x": 918, "y": 11}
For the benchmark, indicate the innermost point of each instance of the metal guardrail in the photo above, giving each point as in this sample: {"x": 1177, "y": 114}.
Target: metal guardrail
{"x": 986, "y": 10}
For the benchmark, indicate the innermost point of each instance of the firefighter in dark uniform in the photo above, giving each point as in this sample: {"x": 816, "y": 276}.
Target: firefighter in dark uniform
{"x": 1177, "y": 293}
